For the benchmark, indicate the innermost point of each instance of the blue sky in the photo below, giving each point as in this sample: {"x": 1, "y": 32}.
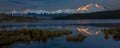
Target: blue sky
{"x": 55, "y": 4}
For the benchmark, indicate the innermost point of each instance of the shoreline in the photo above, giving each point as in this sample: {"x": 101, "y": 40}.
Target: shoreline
{"x": 89, "y": 24}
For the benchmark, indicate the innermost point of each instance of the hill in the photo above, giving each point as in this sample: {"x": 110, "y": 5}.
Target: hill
{"x": 12, "y": 18}
{"x": 96, "y": 15}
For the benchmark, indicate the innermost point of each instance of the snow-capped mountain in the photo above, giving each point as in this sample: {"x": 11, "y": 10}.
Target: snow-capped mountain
{"x": 84, "y": 9}
{"x": 60, "y": 12}
{"x": 90, "y": 8}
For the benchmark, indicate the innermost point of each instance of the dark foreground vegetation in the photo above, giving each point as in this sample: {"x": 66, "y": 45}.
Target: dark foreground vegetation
{"x": 27, "y": 35}
{"x": 77, "y": 38}
{"x": 96, "y": 15}
{"x": 112, "y": 32}
{"x": 12, "y": 18}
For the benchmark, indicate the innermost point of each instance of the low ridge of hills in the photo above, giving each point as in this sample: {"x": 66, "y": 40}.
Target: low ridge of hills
{"x": 115, "y": 14}
{"x": 12, "y": 18}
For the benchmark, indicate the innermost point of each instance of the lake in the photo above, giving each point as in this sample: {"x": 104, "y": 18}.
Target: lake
{"x": 91, "y": 29}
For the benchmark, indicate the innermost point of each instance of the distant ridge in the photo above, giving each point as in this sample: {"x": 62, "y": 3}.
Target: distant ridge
{"x": 96, "y": 15}
{"x": 11, "y": 18}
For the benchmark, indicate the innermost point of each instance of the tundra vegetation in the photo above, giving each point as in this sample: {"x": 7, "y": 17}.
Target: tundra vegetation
{"x": 27, "y": 35}
{"x": 112, "y": 32}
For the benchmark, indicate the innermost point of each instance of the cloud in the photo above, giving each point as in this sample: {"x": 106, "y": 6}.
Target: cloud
{"x": 54, "y": 4}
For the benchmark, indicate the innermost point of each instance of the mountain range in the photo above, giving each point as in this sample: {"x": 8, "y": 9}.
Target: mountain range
{"x": 90, "y": 11}
{"x": 58, "y": 13}
{"x": 83, "y": 9}
{"x": 78, "y": 16}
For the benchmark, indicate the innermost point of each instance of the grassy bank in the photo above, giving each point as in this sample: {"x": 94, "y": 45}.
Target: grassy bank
{"x": 26, "y": 35}
{"x": 112, "y": 32}
{"x": 77, "y": 38}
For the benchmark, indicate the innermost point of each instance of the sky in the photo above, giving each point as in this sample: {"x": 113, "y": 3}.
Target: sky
{"x": 55, "y": 4}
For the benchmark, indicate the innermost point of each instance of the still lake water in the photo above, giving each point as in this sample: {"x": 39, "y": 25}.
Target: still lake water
{"x": 91, "y": 41}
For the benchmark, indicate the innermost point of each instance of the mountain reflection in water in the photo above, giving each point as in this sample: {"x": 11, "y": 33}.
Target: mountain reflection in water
{"x": 76, "y": 36}
{"x": 84, "y": 34}
{"x": 86, "y": 30}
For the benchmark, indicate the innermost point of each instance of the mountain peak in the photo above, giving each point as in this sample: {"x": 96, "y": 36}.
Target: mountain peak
{"x": 91, "y": 7}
